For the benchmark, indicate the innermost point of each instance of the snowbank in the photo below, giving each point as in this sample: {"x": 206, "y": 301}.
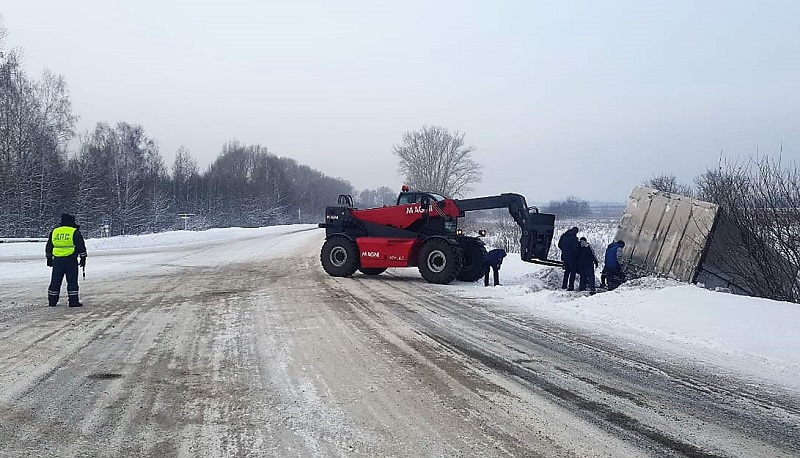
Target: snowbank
{"x": 752, "y": 337}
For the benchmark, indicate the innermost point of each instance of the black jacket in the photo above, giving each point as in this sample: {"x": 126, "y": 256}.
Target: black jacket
{"x": 586, "y": 257}
{"x": 494, "y": 258}
{"x": 568, "y": 244}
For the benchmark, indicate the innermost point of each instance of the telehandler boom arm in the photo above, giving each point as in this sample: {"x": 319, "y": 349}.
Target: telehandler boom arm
{"x": 537, "y": 228}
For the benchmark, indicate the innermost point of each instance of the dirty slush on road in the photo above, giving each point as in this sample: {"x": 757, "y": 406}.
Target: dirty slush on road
{"x": 272, "y": 357}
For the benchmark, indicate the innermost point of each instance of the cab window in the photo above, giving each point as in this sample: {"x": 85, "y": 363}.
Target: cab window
{"x": 407, "y": 198}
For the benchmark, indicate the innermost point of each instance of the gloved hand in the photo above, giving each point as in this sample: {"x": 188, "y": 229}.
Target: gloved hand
{"x": 82, "y": 262}
{"x": 49, "y": 261}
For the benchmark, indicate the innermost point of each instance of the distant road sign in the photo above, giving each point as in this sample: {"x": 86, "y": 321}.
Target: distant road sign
{"x": 185, "y": 217}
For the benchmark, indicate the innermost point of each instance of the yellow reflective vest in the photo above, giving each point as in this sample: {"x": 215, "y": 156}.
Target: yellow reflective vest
{"x": 63, "y": 241}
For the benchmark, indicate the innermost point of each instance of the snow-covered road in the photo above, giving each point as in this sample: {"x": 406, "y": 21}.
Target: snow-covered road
{"x": 235, "y": 343}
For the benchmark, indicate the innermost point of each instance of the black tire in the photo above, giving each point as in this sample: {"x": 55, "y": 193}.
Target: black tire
{"x": 339, "y": 256}
{"x": 372, "y": 270}
{"x": 439, "y": 261}
{"x": 472, "y": 251}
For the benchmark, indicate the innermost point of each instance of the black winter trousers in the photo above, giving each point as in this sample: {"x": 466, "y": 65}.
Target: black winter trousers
{"x": 63, "y": 267}
{"x": 587, "y": 279}
{"x": 496, "y": 270}
{"x": 570, "y": 269}
{"x": 612, "y": 277}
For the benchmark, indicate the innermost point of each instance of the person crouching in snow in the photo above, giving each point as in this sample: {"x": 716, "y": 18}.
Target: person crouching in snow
{"x": 493, "y": 260}
{"x": 587, "y": 262}
{"x": 612, "y": 271}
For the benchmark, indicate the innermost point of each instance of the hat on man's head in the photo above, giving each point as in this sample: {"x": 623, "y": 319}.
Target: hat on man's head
{"x": 67, "y": 219}
{"x": 620, "y": 243}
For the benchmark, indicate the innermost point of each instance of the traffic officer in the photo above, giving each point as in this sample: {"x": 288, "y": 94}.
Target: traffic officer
{"x": 65, "y": 247}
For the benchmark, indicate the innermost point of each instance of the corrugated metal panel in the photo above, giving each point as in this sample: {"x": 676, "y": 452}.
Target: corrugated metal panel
{"x": 665, "y": 234}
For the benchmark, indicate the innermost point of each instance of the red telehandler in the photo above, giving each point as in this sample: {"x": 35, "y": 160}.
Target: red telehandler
{"x": 422, "y": 230}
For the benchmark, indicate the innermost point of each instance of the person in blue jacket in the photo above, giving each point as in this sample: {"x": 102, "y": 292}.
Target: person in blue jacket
{"x": 493, "y": 260}
{"x": 568, "y": 244}
{"x": 613, "y": 275}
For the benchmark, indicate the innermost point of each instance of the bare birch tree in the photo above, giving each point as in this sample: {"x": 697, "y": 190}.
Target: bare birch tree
{"x": 185, "y": 183}
{"x": 433, "y": 159}
{"x": 35, "y": 123}
{"x": 760, "y": 203}
{"x": 669, "y": 183}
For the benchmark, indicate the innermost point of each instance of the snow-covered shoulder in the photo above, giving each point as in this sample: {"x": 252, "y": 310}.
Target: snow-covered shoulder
{"x": 136, "y": 253}
{"x": 741, "y": 335}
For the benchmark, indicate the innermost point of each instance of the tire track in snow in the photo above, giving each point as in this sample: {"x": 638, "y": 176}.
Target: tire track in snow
{"x": 474, "y": 332}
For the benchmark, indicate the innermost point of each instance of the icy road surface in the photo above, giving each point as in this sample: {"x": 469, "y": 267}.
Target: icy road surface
{"x": 247, "y": 348}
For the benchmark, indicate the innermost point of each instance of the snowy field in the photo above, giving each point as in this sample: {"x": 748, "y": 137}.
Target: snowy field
{"x": 756, "y": 339}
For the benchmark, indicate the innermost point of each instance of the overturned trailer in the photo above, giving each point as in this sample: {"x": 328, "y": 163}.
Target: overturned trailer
{"x": 694, "y": 241}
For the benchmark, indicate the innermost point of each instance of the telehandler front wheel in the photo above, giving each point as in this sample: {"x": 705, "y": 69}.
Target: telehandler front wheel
{"x": 339, "y": 256}
{"x": 439, "y": 261}
{"x": 473, "y": 251}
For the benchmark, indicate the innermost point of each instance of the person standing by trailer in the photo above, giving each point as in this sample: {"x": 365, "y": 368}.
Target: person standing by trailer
{"x": 493, "y": 260}
{"x": 568, "y": 244}
{"x": 65, "y": 251}
{"x": 613, "y": 275}
{"x": 587, "y": 262}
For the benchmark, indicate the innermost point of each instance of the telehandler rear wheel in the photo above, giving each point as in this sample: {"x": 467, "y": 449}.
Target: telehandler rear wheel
{"x": 339, "y": 256}
{"x": 439, "y": 261}
{"x": 473, "y": 252}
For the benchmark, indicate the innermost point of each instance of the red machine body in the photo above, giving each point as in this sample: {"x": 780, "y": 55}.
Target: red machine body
{"x": 405, "y": 215}
{"x": 384, "y": 252}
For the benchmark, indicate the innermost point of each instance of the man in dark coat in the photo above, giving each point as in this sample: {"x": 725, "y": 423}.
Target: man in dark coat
{"x": 613, "y": 275}
{"x": 493, "y": 260}
{"x": 568, "y": 244}
{"x": 587, "y": 262}
{"x": 65, "y": 251}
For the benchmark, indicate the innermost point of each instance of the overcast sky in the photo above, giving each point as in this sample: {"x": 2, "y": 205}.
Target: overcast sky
{"x": 585, "y": 98}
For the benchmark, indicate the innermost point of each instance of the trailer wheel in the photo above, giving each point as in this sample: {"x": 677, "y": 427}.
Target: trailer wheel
{"x": 372, "y": 270}
{"x": 439, "y": 261}
{"x": 473, "y": 252}
{"x": 339, "y": 256}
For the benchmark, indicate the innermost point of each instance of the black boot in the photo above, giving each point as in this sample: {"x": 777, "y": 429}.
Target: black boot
{"x": 73, "y": 299}
{"x": 52, "y": 299}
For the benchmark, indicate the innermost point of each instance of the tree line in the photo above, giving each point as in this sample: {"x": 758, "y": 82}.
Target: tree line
{"x": 117, "y": 173}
